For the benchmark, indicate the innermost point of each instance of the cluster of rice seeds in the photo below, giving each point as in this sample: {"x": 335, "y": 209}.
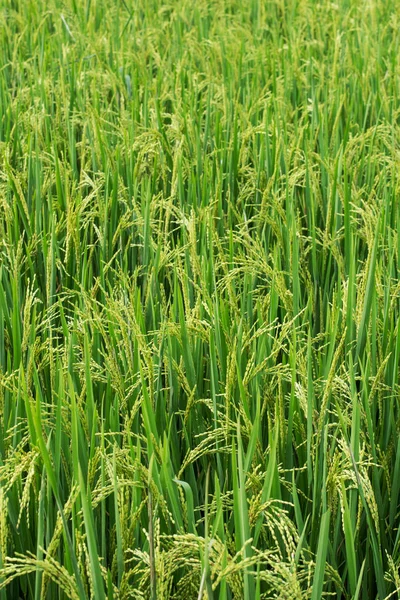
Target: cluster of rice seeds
{"x": 199, "y": 299}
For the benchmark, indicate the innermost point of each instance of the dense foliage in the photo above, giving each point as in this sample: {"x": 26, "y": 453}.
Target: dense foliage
{"x": 199, "y": 299}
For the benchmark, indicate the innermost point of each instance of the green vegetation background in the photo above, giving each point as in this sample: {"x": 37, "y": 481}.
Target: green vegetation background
{"x": 199, "y": 299}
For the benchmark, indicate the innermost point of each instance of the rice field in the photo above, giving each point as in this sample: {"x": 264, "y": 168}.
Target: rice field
{"x": 199, "y": 299}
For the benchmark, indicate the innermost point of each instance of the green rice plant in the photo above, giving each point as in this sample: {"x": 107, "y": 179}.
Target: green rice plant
{"x": 199, "y": 299}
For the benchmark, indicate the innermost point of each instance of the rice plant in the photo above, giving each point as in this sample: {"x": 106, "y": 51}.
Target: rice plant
{"x": 199, "y": 299}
